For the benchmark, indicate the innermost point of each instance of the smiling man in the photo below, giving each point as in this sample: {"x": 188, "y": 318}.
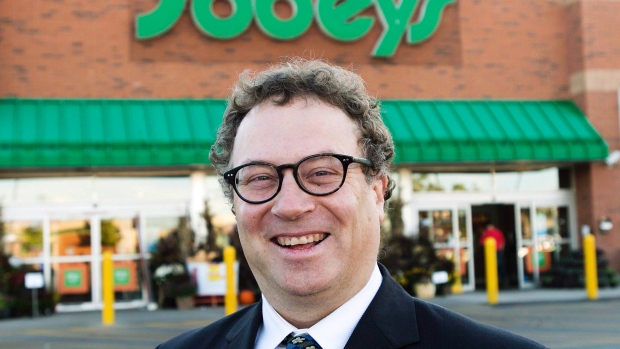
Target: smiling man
{"x": 305, "y": 158}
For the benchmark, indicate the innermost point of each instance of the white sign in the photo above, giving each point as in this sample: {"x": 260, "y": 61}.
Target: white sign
{"x": 440, "y": 277}
{"x": 211, "y": 277}
{"x": 34, "y": 280}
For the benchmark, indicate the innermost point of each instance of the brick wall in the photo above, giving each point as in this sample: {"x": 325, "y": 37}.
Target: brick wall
{"x": 80, "y": 48}
{"x": 594, "y": 60}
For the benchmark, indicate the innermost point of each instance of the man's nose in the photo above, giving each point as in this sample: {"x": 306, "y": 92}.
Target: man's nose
{"x": 291, "y": 202}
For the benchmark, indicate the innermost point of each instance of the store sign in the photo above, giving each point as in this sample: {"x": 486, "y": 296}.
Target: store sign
{"x": 341, "y": 20}
{"x": 121, "y": 276}
{"x": 73, "y": 278}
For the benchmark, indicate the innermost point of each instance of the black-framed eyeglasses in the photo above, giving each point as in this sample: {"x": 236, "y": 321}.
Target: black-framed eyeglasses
{"x": 321, "y": 174}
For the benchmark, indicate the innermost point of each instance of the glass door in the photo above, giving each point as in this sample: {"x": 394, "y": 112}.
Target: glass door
{"x": 71, "y": 259}
{"x": 545, "y": 237}
{"x": 119, "y": 234}
{"x": 76, "y": 249}
{"x": 449, "y": 231}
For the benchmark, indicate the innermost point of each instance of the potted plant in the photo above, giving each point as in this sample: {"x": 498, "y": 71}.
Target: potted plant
{"x": 423, "y": 265}
{"x": 175, "y": 287}
{"x": 174, "y": 281}
{"x": 5, "y": 306}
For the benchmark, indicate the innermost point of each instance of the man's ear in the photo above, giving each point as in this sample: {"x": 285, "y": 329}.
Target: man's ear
{"x": 379, "y": 186}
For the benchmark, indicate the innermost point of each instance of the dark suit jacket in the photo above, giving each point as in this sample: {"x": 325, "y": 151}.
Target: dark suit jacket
{"x": 393, "y": 319}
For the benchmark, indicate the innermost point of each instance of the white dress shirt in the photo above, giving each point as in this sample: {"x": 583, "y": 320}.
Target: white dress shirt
{"x": 332, "y": 332}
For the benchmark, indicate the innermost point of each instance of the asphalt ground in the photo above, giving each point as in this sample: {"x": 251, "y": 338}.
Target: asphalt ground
{"x": 558, "y": 319}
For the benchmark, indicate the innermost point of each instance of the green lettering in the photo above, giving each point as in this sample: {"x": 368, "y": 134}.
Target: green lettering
{"x": 222, "y": 28}
{"x": 161, "y": 19}
{"x": 395, "y": 18}
{"x": 339, "y": 21}
{"x": 430, "y": 17}
{"x": 283, "y": 29}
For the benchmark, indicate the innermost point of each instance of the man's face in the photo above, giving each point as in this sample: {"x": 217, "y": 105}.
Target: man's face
{"x": 347, "y": 221}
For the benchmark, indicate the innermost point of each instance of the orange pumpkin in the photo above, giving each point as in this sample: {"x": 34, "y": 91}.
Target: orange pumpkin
{"x": 246, "y": 297}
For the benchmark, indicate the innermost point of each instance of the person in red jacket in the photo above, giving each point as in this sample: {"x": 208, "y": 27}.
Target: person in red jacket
{"x": 500, "y": 241}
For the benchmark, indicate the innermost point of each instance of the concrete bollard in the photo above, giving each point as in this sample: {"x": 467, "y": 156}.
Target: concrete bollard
{"x": 230, "y": 299}
{"x": 490, "y": 257}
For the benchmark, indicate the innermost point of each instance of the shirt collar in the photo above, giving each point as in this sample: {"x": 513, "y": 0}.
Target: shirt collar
{"x": 332, "y": 332}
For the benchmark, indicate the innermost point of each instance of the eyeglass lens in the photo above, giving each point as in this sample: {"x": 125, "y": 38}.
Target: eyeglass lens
{"x": 317, "y": 175}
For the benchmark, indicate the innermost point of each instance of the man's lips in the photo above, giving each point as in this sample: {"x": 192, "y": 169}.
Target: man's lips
{"x": 290, "y": 241}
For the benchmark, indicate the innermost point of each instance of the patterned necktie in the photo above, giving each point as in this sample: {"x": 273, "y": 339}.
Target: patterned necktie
{"x": 301, "y": 341}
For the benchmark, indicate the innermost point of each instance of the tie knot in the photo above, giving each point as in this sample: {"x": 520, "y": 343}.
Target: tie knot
{"x": 301, "y": 341}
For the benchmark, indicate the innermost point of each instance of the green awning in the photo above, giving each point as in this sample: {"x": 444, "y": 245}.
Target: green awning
{"x": 42, "y": 134}
{"x": 440, "y": 132}
{"x": 107, "y": 133}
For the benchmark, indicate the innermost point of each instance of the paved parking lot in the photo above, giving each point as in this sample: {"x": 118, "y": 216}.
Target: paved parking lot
{"x": 557, "y": 319}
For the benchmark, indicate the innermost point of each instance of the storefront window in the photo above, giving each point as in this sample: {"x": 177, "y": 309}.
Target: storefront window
{"x": 436, "y": 225}
{"x": 71, "y": 281}
{"x": 542, "y": 180}
{"x": 112, "y": 190}
{"x": 120, "y": 236}
{"x": 95, "y": 189}
{"x": 552, "y": 230}
{"x": 452, "y": 182}
{"x": 70, "y": 237}
{"x": 23, "y": 239}
{"x": 157, "y": 228}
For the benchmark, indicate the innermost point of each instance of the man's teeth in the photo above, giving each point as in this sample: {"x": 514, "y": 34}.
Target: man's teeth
{"x": 306, "y": 239}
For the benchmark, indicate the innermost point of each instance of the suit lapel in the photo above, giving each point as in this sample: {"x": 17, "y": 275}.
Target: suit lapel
{"x": 243, "y": 334}
{"x": 390, "y": 320}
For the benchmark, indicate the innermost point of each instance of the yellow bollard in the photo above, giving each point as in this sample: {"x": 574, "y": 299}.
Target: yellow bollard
{"x": 230, "y": 300}
{"x": 490, "y": 257}
{"x": 457, "y": 287}
{"x": 107, "y": 314}
{"x": 589, "y": 264}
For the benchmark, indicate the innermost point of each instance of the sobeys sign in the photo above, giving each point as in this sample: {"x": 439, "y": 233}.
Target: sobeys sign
{"x": 338, "y": 19}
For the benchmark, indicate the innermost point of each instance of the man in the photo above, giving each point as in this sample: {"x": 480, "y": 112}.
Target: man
{"x": 500, "y": 243}
{"x": 305, "y": 159}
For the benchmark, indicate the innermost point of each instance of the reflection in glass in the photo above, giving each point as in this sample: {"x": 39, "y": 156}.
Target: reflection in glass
{"x": 157, "y": 228}
{"x": 525, "y": 250}
{"x": 436, "y": 226}
{"x": 526, "y": 230}
{"x": 119, "y": 236}
{"x": 70, "y": 238}
{"x": 463, "y": 227}
{"x": 551, "y": 229}
{"x": 23, "y": 239}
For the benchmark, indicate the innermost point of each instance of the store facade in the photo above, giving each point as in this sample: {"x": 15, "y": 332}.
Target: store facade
{"x": 503, "y": 112}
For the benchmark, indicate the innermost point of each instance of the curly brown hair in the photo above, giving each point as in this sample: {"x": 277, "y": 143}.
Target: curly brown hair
{"x": 301, "y": 78}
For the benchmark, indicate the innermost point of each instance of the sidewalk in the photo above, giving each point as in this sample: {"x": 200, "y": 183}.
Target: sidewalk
{"x": 557, "y": 318}
{"x": 539, "y": 295}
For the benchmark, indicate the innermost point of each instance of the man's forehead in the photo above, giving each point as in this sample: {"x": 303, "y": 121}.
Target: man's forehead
{"x": 287, "y": 133}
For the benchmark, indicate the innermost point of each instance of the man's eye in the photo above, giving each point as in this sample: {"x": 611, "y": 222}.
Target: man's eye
{"x": 260, "y": 178}
{"x": 321, "y": 173}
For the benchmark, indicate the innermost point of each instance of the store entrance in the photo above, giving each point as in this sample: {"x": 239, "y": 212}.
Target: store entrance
{"x": 503, "y": 217}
